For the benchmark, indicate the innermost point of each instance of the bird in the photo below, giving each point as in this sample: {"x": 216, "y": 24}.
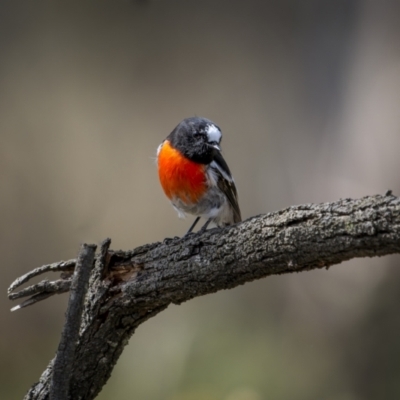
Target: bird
{"x": 194, "y": 175}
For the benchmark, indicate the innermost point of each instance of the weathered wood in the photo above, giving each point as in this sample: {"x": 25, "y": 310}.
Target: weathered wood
{"x": 128, "y": 287}
{"x": 63, "y": 363}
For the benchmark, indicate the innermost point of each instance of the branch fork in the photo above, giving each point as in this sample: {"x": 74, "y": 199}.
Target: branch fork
{"x": 128, "y": 287}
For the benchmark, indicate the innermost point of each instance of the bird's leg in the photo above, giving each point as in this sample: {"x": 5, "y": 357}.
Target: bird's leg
{"x": 193, "y": 225}
{"x": 204, "y": 227}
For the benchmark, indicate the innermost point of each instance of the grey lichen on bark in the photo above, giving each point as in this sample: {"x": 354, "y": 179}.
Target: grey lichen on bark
{"x": 129, "y": 287}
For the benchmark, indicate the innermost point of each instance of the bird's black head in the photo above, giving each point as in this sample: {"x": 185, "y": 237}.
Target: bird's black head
{"x": 197, "y": 138}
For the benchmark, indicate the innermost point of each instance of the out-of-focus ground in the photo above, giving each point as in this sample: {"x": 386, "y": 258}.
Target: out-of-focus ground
{"x": 308, "y": 97}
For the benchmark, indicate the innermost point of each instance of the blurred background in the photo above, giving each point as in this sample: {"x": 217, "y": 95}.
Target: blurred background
{"x": 307, "y": 95}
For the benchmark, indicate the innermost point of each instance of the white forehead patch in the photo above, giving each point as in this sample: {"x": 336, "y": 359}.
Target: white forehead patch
{"x": 213, "y": 133}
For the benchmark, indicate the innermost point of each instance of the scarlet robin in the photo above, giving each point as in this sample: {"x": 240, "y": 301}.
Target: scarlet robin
{"x": 194, "y": 175}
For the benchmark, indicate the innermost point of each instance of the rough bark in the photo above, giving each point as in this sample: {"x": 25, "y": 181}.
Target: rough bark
{"x": 63, "y": 364}
{"x": 128, "y": 287}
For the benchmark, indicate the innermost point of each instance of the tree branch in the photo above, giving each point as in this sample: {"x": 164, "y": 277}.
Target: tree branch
{"x": 128, "y": 287}
{"x": 63, "y": 363}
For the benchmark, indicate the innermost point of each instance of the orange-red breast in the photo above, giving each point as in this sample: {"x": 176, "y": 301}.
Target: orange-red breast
{"x": 194, "y": 175}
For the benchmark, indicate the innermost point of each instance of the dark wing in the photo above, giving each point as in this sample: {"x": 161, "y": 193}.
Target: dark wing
{"x": 226, "y": 183}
